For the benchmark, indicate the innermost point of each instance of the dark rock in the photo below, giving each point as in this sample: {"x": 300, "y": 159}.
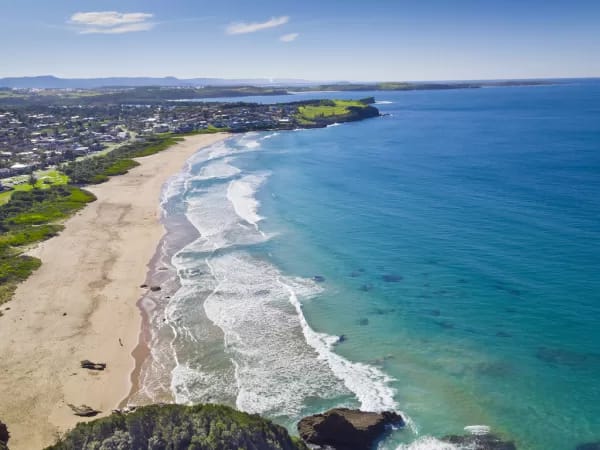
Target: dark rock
{"x": 155, "y": 288}
{"x": 503, "y": 334}
{"x": 347, "y": 429}
{"x": 4, "y": 435}
{"x": 87, "y": 364}
{"x": 64, "y": 314}
{"x": 342, "y": 338}
{"x": 589, "y": 446}
{"x": 391, "y": 278}
{"x": 319, "y": 278}
{"x": 481, "y": 442}
{"x": 143, "y": 286}
{"x": 365, "y": 287}
{"x": 83, "y": 410}
{"x": 444, "y": 324}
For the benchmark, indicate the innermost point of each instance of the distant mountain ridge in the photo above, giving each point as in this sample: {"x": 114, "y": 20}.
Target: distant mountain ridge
{"x": 52, "y": 82}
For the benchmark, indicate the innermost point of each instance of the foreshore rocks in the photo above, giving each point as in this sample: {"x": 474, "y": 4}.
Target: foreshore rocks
{"x": 347, "y": 429}
{"x": 4, "y": 435}
{"x": 481, "y": 442}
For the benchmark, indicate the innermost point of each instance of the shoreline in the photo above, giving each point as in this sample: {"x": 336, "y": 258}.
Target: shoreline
{"x": 83, "y": 304}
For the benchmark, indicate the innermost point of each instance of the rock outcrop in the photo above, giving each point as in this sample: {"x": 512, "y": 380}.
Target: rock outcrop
{"x": 347, "y": 429}
{"x": 481, "y": 442}
{"x": 3, "y": 436}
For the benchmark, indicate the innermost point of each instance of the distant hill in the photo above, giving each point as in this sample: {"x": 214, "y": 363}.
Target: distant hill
{"x": 52, "y": 82}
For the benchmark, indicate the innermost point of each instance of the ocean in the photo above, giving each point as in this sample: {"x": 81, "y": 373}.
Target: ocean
{"x": 441, "y": 260}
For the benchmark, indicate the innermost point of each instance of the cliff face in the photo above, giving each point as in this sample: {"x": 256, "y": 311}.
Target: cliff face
{"x": 178, "y": 427}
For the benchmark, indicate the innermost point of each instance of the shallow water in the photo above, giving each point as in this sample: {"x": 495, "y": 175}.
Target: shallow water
{"x": 453, "y": 243}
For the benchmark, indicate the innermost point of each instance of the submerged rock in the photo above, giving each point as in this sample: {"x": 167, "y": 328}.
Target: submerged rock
{"x": 347, "y": 429}
{"x": 319, "y": 278}
{"x": 481, "y": 442}
{"x": 392, "y": 278}
{"x": 589, "y": 446}
{"x": 365, "y": 287}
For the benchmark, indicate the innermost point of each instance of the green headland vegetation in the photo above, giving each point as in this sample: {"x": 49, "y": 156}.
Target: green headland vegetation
{"x": 323, "y": 112}
{"x": 179, "y": 427}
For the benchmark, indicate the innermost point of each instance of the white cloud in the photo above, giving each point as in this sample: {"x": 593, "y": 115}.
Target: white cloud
{"x": 289, "y": 37}
{"x": 111, "y": 22}
{"x": 243, "y": 27}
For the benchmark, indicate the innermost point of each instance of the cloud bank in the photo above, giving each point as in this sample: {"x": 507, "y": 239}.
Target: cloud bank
{"x": 243, "y": 27}
{"x": 111, "y": 22}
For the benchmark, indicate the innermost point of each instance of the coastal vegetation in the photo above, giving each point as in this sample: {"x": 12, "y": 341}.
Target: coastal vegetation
{"x": 28, "y": 217}
{"x": 179, "y": 427}
{"x": 322, "y": 112}
{"x": 98, "y": 169}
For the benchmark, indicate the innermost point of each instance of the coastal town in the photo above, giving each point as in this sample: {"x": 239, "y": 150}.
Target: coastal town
{"x": 35, "y": 138}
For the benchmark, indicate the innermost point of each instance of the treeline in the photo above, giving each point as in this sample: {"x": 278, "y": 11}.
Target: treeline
{"x": 31, "y": 217}
{"x": 97, "y": 169}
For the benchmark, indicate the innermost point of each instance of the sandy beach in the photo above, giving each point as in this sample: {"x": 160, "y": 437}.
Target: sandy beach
{"x": 81, "y": 304}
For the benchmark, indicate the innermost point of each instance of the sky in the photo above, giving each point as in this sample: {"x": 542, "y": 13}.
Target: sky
{"x": 321, "y": 40}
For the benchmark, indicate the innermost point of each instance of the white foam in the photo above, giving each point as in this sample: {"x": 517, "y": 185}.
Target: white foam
{"x": 275, "y": 369}
{"x": 335, "y": 124}
{"x": 241, "y": 193}
{"x": 477, "y": 429}
{"x": 219, "y": 169}
{"x": 383, "y": 102}
{"x": 369, "y": 384}
{"x": 269, "y": 136}
{"x": 429, "y": 443}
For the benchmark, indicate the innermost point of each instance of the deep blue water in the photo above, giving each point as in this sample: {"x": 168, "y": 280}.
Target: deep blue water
{"x": 459, "y": 240}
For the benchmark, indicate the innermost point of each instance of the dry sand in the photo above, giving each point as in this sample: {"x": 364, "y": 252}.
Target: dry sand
{"x": 81, "y": 304}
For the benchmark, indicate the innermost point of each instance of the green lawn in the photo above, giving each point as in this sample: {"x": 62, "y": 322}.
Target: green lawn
{"x": 308, "y": 113}
{"x": 45, "y": 179}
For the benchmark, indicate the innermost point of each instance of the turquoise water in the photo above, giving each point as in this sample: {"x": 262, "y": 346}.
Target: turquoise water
{"x": 459, "y": 242}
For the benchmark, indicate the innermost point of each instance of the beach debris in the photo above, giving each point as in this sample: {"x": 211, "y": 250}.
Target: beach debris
{"x": 83, "y": 410}
{"x": 319, "y": 278}
{"x": 155, "y": 288}
{"x": 120, "y": 342}
{"x": 126, "y": 410}
{"x": 143, "y": 286}
{"x": 345, "y": 428}
{"x": 392, "y": 278}
{"x": 87, "y": 364}
{"x": 64, "y": 314}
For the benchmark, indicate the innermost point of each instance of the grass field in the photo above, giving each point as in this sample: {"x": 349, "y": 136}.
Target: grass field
{"x": 309, "y": 113}
{"x": 45, "y": 179}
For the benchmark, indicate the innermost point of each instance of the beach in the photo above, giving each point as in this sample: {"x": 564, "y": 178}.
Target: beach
{"x": 82, "y": 304}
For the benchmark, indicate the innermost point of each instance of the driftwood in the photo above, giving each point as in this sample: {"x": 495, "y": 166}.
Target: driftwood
{"x": 83, "y": 410}
{"x": 86, "y": 364}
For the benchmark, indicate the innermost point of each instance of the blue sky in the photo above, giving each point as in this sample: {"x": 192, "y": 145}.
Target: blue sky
{"x": 318, "y": 40}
